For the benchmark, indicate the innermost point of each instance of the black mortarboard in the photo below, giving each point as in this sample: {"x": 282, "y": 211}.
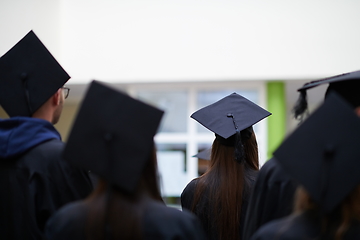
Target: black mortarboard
{"x": 228, "y": 117}
{"x": 323, "y": 153}
{"x": 29, "y": 76}
{"x": 204, "y": 154}
{"x": 113, "y": 136}
{"x": 347, "y": 85}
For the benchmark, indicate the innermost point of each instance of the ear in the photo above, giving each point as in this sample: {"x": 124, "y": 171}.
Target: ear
{"x": 56, "y": 98}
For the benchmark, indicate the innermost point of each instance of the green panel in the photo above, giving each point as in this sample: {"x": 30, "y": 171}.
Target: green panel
{"x": 276, "y": 104}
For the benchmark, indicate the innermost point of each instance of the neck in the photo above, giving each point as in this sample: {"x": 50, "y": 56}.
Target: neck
{"x": 45, "y": 112}
{"x": 44, "y": 116}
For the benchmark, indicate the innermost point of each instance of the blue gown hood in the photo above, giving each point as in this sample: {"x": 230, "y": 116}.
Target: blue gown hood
{"x": 20, "y": 134}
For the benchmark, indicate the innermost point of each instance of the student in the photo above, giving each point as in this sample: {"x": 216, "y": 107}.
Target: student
{"x": 273, "y": 195}
{"x": 323, "y": 156}
{"x": 113, "y": 137}
{"x": 220, "y": 196}
{"x": 34, "y": 180}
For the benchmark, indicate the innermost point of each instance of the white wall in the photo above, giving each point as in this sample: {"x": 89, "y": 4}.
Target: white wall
{"x": 161, "y": 40}
{"x": 119, "y": 40}
{"x": 18, "y": 17}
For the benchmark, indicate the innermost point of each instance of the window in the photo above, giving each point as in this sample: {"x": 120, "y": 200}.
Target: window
{"x": 174, "y": 103}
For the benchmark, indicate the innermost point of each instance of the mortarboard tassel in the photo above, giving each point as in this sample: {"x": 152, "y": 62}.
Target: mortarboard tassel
{"x": 239, "y": 148}
{"x": 300, "y": 106}
{"x": 24, "y": 77}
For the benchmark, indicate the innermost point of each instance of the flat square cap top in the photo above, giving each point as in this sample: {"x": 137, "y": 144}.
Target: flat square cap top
{"x": 338, "y": 78}
{"x": 221, "y": 116}
{"x": 29, "y": 76}
{"x": 323, "y": 153}
{"x": 113, "y": 136}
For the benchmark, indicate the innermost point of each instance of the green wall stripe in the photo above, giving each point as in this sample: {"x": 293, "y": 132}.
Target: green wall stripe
{"x": 276, "y": 104}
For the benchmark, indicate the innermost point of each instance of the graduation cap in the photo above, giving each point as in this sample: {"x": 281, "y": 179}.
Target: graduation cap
{"x": 113, "y": 136}
{"x": 231, "y": 119}
{"x": 204, "y": 154}
{"x": 347, "y": 85}
{"x": 323, "y": 153}
{"x": 29, "y": 76}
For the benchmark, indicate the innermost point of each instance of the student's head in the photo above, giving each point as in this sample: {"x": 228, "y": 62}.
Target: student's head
{"x": 224, "y": 149}
{"x": 31, "y": 79}
{"x": 113, "y": 136}
{"x": 231, "y": 120}
{"x": 346, "y": 85}
{"x": 348, "y": 90}
{"x": 51, "y": 110}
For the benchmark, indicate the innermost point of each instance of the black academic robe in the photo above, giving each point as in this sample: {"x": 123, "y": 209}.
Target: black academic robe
{"x": 302, "y": 227}
{"x": 159, "y": 223}
{"x": 34, "y": 186}
{"x": 204, "y": 207}
{"x": 272, "y": 197}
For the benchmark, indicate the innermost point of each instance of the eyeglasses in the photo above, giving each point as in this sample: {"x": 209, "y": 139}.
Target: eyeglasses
{"x": 66, "y": 92}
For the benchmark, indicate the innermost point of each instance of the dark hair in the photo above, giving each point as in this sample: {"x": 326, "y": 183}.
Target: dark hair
{"x": 224, "y": 185}
{"x": 337, "y": 222}
{"x": 118, "y": 214}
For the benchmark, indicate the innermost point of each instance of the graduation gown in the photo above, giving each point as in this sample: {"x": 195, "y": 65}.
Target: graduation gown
{"x": 35, "y": 181}
{"x": 272, "y": 197}
{"x": 159, "y": 223}
{"x": 301, "y": 227}
{"x": 204, "y": 206}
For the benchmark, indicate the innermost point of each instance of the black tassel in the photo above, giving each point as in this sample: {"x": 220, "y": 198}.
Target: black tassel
{"x": 24, "y": 78}
{"x": 301, "y": 106}
{"x": 239, "y": 148}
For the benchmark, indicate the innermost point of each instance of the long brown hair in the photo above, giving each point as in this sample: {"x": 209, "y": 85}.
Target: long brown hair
{"x": 224, "y": 185}
{"x": 338, "y": 222}
{"x": 118, "y": 214}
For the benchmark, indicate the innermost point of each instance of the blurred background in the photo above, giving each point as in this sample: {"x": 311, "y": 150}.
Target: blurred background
{"x": 181, "y": 55}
